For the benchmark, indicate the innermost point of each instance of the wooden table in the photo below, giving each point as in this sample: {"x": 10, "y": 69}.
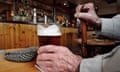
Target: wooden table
{"x": 97, "y": 42}
{"x": 96, "y": 46}
{"x": 9, "y": 66}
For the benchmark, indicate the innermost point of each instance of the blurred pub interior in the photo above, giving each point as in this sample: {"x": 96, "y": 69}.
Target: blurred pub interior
{"x": 17, "y": 29}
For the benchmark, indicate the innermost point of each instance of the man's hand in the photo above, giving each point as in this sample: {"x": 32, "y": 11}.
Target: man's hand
{"x": 90, "y": 16}
{"x": 53, "y": 58}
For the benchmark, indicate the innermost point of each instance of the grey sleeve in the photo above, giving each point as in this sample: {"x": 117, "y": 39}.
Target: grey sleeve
{"x": 91, "y": 64}
{"x": 111, "y": 61}
{"x": 102, "y": 63}
{"x": 110, "y": 27}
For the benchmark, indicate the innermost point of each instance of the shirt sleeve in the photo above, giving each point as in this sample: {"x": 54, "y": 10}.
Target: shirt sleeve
{"x": 111, "y": 61}
{"x": 91, "y": 64}
{"x": 108, "y": 62}
{"x": 110, "y": 27}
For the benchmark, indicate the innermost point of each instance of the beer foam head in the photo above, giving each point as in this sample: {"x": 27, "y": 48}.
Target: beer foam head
{"x": 52, "y": 30}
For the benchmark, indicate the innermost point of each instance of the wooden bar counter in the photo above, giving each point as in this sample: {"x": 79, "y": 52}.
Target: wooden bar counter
{"x": 21, "y": 35}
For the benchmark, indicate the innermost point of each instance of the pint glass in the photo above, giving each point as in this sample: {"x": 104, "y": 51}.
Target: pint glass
{"x": 49, "y": 34}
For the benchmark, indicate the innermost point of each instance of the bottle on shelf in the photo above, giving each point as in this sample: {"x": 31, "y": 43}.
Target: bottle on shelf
{"x": 34, "y": 15}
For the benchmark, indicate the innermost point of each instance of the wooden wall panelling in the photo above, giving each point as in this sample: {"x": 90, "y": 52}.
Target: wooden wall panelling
{"x": 17, "y": 35}
{"x": 1, "y": 37}
{"x": 31, "y": 35}
{"x": 4, "y": 34}
{"x": 28, "y": 35}
{"x": 34, "y": 35}
{"x": 7, "y": 37}
{"x": 12, "y": 35}
{"x": 22, "y": 36}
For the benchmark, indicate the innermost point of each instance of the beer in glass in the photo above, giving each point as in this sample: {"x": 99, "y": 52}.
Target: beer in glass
{"x": 49, "y": 34}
